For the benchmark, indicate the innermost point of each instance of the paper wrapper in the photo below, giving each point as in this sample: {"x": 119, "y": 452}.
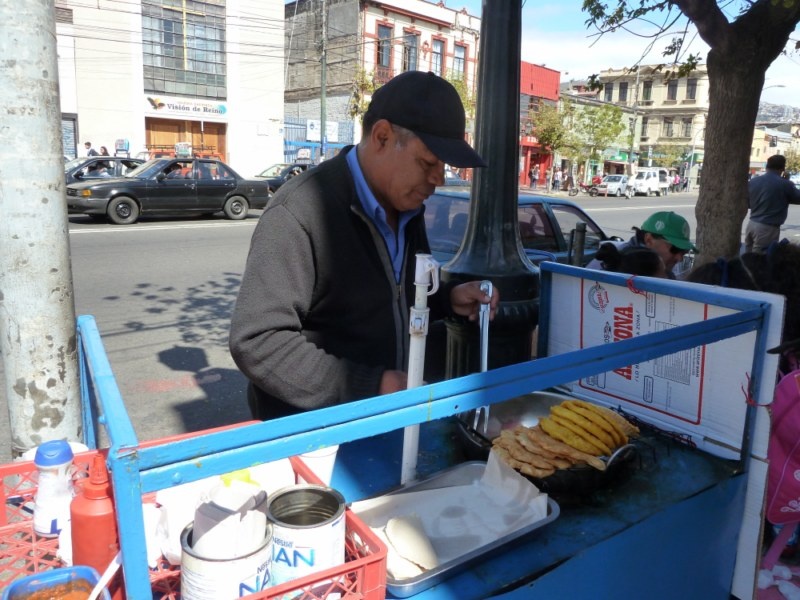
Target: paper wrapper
{"x": 460, "y": 519}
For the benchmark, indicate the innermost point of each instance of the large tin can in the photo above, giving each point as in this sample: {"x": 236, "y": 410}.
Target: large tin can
{"x": 308, "y": 530}
{"x": 212, "y": 578}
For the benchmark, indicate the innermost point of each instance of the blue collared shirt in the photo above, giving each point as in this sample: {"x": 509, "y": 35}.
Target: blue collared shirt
{"x": 394, "y": 242}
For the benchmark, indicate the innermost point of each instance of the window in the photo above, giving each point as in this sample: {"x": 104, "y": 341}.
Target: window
{"x": 645, "y": 124}
{"x": 647, "y": 90}
{"x": 384, "y": 46}
{"x": 609, "y": 92}
{"x": 687, "y": 128}
{"x": 691, "y": 89}
{"x": 183, "y": 51}
{"x": 410, "y": 51}
{"x": 459, "y": 56}
{"x": 668, "y": 127}
{"x": 672, "y": 90}
{"x": 623, "y": 91}
{"x": 535, "y": 229}
{"x": 437, "y": 57}
{"x": 568, "y": 218}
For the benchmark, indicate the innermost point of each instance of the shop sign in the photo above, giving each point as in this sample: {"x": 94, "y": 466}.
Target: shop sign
{"x": 189, "y": 108}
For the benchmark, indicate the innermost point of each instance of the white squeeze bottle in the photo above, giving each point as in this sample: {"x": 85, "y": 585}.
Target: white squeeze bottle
{"x": 53, "y": 462}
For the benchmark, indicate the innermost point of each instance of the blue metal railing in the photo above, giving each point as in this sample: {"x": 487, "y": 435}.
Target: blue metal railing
{"x": 137, "y": 470}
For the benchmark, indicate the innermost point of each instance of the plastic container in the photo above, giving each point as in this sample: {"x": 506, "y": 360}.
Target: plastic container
{"x": 95, "y": 541}
{"x": 53, "y": 462}
{"x": 22, "y": 553}
{"x": 56, "y": 583}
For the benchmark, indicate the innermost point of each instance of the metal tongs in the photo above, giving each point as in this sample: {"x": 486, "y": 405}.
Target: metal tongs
{"x": 483, "y": 321}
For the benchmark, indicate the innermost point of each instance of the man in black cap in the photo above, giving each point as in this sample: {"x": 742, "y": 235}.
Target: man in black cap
{"x": 322, "y": 312}
{"x": 770, "y": 197}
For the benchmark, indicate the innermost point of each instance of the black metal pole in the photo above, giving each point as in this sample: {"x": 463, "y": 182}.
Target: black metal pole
{"x": 491, "y": 248}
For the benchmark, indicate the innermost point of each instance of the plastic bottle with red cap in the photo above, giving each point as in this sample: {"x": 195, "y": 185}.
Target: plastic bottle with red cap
{"x": 95, "y": 541}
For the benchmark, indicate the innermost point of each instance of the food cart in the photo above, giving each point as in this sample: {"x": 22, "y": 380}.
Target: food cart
{"x": 686, "y": 523}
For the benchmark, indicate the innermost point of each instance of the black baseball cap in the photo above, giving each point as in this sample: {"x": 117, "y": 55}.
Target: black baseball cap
{"x": 430, "y": 107}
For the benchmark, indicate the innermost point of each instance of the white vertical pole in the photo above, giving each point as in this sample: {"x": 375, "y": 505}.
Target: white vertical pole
{"x": 427, "y": 273}
{"x": 37, "y": 314}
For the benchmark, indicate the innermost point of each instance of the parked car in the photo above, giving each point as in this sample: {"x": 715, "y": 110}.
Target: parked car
{"x": 285, "y": 174}
{"x": 168, "y": 186}
{"x": 613, "y": 185}
{"x": 651, "y": 180}
{"x": 87, "y": 167}
{"x": 545, "y": 226}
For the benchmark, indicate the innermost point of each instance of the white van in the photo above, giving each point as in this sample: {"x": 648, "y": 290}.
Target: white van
{"x": 651, "y": 180}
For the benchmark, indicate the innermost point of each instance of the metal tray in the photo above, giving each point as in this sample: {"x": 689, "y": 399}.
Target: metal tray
{"x": 463, "y": 474}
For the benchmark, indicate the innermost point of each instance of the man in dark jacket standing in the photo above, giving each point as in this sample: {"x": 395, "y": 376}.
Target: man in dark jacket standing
{"x": 322, "y": 312}
{"x": 770, "y": 197}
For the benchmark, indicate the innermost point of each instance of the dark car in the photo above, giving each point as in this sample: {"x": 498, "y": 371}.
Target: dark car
{"x": 545, "y": 226}
{"x": 284, "y": 175}
{"x": 169, "y": 186}
{"x": 94, "y": 167}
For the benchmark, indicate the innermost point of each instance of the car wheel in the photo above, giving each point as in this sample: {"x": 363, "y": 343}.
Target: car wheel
{"x": 593, "y": 192}
{"x": 236, "y": 208}
{"x": 123, "y": 211}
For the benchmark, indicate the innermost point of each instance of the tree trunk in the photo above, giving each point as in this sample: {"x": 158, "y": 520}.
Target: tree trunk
{"x": 741, "y": 52}
{"x": 735, "y": 91}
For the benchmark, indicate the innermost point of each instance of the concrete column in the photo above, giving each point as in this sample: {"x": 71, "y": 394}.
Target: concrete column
{"x": 37, "y": 312}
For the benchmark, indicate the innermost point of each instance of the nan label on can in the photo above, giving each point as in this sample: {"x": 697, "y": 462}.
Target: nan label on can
{"x": 308, "y": 531}
{"x": 211, "y": 579}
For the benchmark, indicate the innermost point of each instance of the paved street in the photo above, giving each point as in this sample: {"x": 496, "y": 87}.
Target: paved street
{"x": 162, "y": 292}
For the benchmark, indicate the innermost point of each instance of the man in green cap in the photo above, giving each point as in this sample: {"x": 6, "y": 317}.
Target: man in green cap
{"x": 666, "y": 233}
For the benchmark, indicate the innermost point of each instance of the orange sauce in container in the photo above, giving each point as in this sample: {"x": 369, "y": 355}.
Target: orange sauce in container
{"x": 72, "y": 590}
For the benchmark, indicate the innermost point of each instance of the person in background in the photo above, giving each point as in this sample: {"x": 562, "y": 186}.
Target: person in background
{"x": 634, "y": 260}
{"x": 104, "y": 151}
{"x": 323, "y": 309}
{"x": 770, "y": 197}
{"x": 665, "y": 232}
{"x": 89, "y": 150}
{"x": 548, "y": 177}
{"x": 534, "y": 176}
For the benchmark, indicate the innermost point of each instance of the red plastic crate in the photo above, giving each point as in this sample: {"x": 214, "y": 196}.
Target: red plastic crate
{"x": 22, "y": 552}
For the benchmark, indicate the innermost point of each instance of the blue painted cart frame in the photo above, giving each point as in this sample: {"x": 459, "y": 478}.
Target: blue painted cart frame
{"x": 138, "y": 470}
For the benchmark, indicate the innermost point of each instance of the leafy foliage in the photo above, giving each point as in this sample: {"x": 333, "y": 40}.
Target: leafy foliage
{"x": 467, "y": 96}
{"x": 363, "y": 86}
{"x": 552, "y": 127}
{"x": 599, "y": 127}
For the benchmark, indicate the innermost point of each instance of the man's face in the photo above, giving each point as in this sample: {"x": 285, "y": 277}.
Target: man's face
{"x": 670, "y": 254}
{"x": 411, "y": 172}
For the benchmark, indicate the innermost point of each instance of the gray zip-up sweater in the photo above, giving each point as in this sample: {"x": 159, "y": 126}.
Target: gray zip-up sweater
{"x": 319, "y": 315}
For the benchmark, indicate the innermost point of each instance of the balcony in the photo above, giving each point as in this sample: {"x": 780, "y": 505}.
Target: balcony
{"x": 383, "y": 74}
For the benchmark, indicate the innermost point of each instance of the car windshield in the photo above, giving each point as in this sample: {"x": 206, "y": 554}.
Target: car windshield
{"x": 148, "y": 169}
{"x": 75, "y": 162}
{"x": 640, "y": 175}
{"x": 613, "y": 178}
{"x": 273, "y": 171}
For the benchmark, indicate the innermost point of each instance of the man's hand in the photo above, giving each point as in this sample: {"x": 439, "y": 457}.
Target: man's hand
{"x": 393, "y": 381}
{"x": 466, "y": 300}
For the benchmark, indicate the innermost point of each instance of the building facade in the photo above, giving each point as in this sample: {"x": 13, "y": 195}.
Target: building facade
{"x": 355, "y": 45}
{"x": 143, "y": 76}
{"x": 538, "y": 87}
{"x": 671, "y": 112}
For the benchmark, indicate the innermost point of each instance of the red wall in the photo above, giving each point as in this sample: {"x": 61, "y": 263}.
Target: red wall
{"x": 539, "y": 81}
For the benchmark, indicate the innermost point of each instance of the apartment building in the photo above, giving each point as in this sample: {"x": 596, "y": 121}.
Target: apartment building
{"x": 538, "y": 87}
{"x": 145, "y": 75}
{"x": 671, "y": 111}
{"x": 352, "y": 45}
